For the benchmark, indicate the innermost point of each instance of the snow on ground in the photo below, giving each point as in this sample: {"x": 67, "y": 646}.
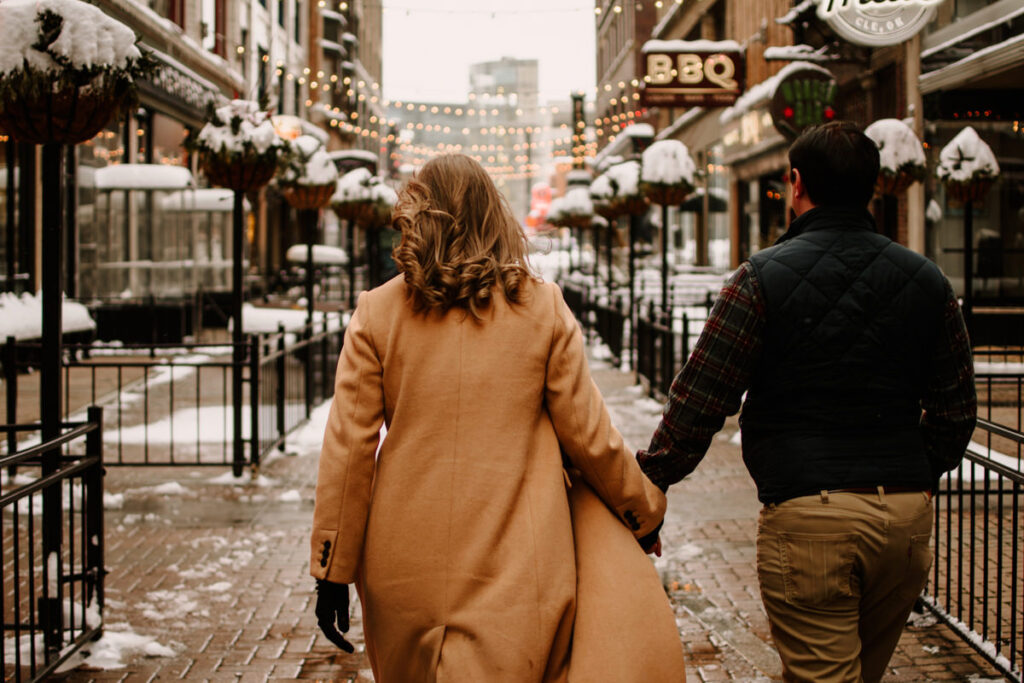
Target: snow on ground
{"x": 22, "y": 316}
{"x": 113, "y": 648}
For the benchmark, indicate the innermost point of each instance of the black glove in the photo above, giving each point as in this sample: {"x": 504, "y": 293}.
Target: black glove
{"x": 332, "y": 612}
{"x": 648, "y": 541}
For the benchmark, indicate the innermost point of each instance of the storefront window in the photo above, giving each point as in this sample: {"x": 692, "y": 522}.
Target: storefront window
{"x": 718, "y": 204}
{"x": 998, "y": 219}
{"x": 168, "y": 141}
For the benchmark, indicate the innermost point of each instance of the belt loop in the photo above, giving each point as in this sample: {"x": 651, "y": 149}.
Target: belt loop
{"x": 881, "y": 496}
{"x": 824, "y": 496}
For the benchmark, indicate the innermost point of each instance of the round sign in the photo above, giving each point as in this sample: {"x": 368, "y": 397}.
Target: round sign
{"x": 804, "y": 97}
{"x": 876, "y": 23}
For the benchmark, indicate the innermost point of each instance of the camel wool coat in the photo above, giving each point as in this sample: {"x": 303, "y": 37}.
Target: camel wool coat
{"x": 458, "y": 533}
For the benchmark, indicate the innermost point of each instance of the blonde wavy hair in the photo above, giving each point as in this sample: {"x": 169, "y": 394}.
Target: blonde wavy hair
{"x": 460, "y": 241}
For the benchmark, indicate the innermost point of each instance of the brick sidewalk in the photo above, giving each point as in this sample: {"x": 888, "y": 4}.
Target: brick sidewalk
{"x": 218, "y": 573}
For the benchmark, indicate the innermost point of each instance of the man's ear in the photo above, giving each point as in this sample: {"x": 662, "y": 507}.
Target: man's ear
{"x": 797, "y": 183}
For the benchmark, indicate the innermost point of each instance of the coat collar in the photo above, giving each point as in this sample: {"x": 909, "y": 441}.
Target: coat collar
{"x": 824, "y": 217}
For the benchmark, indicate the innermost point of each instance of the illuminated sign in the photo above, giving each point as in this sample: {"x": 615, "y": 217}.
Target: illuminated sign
{"x": 698, "y": 73}
{"x": 804, "y": 98}
{"x": 876, "y": 23}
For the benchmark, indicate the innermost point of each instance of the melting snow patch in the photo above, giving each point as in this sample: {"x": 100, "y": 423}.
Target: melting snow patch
{"x": 292, "y": 496}
{"x": 113, "y": 501}
{"x": 931, "y": 649}
{"x": 926, "y": 620}
{"x": 170, "y": 488}
{"x": 219, "y": 587}
{"x": 110, "y": 651}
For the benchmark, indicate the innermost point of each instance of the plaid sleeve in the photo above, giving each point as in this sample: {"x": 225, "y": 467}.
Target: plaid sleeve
{"x": 950, "y": 401}
{"x": 711, "y": 384}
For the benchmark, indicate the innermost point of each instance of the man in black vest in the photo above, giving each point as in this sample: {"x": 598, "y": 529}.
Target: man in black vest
{"x": 860, "y": 394}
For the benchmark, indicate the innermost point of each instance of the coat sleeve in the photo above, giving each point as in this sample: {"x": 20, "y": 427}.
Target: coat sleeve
{"x": 347, "y": 459}
{"x": 586, "y": 433}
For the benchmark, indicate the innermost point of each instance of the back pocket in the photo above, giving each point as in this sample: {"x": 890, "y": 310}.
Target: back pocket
{"x": 817, "y": 569}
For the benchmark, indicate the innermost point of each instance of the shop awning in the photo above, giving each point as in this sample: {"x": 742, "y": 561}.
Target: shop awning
{"x": 1002, "y": 63}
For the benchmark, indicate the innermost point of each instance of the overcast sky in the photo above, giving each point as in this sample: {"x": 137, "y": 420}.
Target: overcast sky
{"x": 429, "y": 44}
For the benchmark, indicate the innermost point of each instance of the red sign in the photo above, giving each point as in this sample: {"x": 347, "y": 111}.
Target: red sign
{"x": 690, "y": 78}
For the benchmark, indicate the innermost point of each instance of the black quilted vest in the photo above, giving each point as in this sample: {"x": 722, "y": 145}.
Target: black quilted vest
{"x": 851, "y": 321}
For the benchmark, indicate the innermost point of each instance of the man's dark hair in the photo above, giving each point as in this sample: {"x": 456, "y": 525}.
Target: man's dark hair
{"x": 838, "y": 164}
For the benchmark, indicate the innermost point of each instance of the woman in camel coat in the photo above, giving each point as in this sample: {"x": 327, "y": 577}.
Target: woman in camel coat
{"x": 458, "y": 533}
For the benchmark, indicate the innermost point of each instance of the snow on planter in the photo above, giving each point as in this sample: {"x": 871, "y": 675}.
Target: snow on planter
{"x": 239, "y": 147}
{"x": 602, "y": 192}
{"x": 666, "y": 174}
{"x": 625, "y": 178}
{"x": 351, "y": 199}
{"x": 309, "y": 177}
{"x": 573, "y": 209}
{"x": 65, "y": 69}
{"x": 383, "y": 199}
{"x": 967, "y": 167}
{"x": 901, "y": 155}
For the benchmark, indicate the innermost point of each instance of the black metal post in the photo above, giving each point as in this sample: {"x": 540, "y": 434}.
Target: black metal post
{"x": 664, "y": 258}
{"x": 634, "y": 221}
{"x": 10, "y": 361}
{"x": 94, "y": 508}
{"x": 50, "y": 393}
{"x": 237, "y": 334}
{"x": 279, "y": 398}
{"x": 254, "y": 401}
{"x": 612, "y": 226}
{"x": 308, "y": 220}
{"x": 11, "y": 160}
{"x": 597, "y": 253}
{"x": 71, "y": 221}
{"x": 968, "y": 307}
{"x": 351, "y": 229}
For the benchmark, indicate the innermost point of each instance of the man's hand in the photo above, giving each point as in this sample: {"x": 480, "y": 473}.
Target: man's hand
{"x": 332, "y": 612}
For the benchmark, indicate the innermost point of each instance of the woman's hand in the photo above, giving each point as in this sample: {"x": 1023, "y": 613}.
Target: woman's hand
{"x": 332, "y": 612}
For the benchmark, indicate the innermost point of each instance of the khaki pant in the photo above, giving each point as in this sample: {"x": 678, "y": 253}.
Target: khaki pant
{"x": 839, "y": 573}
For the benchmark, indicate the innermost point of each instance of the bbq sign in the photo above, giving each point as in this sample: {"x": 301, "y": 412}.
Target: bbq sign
{"x": 876, "y": 23}
{"x": 695, "y": 73}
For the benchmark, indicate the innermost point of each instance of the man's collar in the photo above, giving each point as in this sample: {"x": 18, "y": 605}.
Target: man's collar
{"x": 821, "y": 217}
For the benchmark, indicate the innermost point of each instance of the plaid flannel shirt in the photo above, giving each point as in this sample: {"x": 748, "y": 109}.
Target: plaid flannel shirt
{"x": 711, "y": 385}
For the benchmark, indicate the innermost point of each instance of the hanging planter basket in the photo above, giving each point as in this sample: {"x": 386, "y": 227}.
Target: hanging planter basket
{"x": 238, "y": 172}
{"x": 61, "y": 85}
{"x": 308, "y": 197}
{"x": 66, "y": 115}
{"x": 970, "y": 191}
{"x": 633, "y": 206}
{"x": 353, "y": 211}
{"x": 606, "y": 211}
{"x": 893, "y": 183}
{"x": 666, "y": 195}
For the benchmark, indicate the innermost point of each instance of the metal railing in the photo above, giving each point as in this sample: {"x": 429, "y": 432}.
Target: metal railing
{"x": 294, "y": 371}
{"x": 51, "y": 507}
{"x": 610, "y": 326}
{"x": 173, "y": 404}
{"x": 975, "y": 584}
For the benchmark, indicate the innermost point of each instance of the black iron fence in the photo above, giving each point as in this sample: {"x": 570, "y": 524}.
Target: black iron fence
{"x": 173, "y": 404}
{"x": 51, "y": 510}
{"x": 610, "y": 325}
{"x": 976, "y": 585}
{"x": 293, "y": 371}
